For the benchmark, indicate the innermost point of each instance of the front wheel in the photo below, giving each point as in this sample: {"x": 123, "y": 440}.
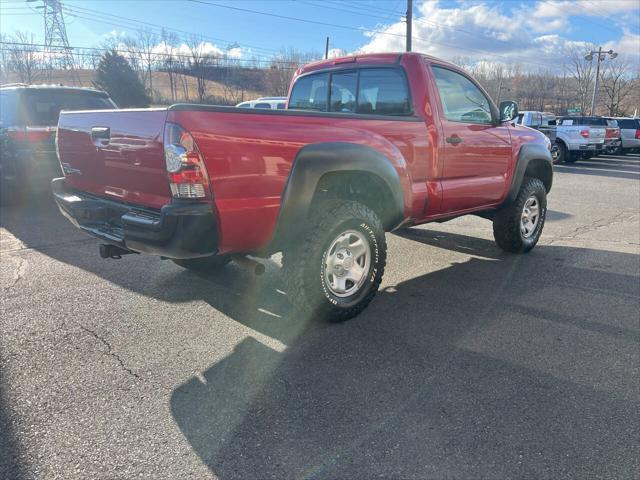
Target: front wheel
{"x": 336, "y": 269}
{"x": 517, "y": 227}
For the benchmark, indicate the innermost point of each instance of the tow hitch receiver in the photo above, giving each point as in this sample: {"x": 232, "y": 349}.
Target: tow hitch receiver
{"x": 111, "y": 251}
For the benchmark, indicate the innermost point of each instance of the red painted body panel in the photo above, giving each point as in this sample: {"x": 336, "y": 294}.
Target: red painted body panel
{"x": 249, "y": 168}
{"x": 249, "y": 156}
{"x": 130, "y": 167}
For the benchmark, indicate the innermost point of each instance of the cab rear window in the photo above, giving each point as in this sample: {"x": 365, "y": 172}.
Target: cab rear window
{"x": 376, "y": 91}
{"x": 42, "y": 107}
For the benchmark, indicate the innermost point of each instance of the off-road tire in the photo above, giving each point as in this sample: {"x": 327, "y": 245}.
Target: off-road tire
{"x": 203, "y": 264}
{"x": 563, "y": 153}
{"x": 303, "y": 266}
{"x": 506, "y": 222}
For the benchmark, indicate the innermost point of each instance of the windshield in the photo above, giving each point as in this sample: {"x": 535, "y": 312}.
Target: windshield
{"x": 42, "y": 107}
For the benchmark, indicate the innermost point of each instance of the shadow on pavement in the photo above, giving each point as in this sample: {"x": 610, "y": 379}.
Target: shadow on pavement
{"x": 497, "y": 367}
{"x": 466, "y": 372}
{"x": 605, "y": 166}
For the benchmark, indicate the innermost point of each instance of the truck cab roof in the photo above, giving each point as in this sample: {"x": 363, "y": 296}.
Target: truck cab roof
{"x": 367, "y": 59}
{"x": 40, "y": 87}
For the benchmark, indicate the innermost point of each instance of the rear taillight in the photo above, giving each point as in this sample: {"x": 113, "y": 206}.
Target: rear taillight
{"x": 638, "y": 134}
{"x": 584, "y": 133}
{"x": 185, "y": 168}
{"x": 30, "y": 134}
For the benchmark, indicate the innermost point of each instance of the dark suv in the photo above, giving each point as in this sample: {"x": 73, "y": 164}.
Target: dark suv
{"x": 28, "y": 120}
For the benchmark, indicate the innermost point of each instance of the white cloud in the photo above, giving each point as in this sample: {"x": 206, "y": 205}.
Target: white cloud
{"x": 532, "y": 35}
{"x": 337, "y": 52}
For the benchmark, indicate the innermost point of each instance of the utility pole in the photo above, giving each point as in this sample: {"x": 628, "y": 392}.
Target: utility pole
{"x": 326, "y": 49}
{"x": 409, "y": 23}
{"x": 601, "y": 56}
{"x": 57, "y": 50}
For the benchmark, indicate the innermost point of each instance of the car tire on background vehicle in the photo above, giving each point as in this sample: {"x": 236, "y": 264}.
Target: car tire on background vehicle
{"x": 336, "y": 269}
{"x": 572, "y": 157}
{"x": 563, "y": 153}
{"x": 517, "y": 227}
{"x": 203, "y": 264}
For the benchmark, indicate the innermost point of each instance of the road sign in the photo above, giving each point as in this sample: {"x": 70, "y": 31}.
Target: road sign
{"x": 573, "y": 111}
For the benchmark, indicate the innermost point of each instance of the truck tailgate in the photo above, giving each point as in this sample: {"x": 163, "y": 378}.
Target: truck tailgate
{"x": 597, "y": 133}
{"x": 116, "y": 154}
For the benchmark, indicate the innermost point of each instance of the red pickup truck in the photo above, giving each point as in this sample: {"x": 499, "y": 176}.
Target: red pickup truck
{"x": 367, "y": 144}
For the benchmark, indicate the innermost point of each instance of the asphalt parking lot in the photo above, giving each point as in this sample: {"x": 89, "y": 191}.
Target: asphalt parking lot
{"x": 470, "y": 363}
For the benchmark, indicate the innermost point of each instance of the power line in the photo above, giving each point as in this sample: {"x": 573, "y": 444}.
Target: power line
{"x": 100, "y": 52}
{"x": 83, "y": 11}
{"x": 361, "y": 29}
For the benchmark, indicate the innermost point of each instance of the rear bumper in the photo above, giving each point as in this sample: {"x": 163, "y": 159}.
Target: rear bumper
{"x": 178, "y": 230}
{"x": 631, "y": 143}
{"x": 585, "y": 147}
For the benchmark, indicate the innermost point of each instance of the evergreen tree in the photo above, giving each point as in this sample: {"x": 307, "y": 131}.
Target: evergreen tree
{"x": 116, "y": 77}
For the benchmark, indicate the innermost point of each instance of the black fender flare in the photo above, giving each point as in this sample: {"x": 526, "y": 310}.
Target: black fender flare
{"x": 530, "y": 152}
{"x": 316, "y": 160}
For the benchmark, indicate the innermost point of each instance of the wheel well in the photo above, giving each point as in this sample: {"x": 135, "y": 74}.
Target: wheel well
{"x": 364, "y": 187}
{"x": 540, "y": 169}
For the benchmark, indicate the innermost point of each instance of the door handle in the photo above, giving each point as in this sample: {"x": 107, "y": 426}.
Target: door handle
{"x": 454, "y": 139}
{"x": 100, "y": 135}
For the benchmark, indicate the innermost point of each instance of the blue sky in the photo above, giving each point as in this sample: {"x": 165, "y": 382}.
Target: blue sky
{"x": 532, "y": 33}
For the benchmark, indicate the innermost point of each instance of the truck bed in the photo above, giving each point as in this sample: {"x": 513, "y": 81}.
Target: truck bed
{"x": 248, "y": 157}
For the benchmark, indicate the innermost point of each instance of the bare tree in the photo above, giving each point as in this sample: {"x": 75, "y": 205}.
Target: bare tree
{"x": 147, "y": 41}
{"x": 197, "y": 64}
{"x": 617, "y": 85}
{"x": 169, "y": 62}
{"x": 5, "y": 58}
{"x": 281, "y": 69}
{"x": 25, "y": 57}
{"x": 582, "y": 72}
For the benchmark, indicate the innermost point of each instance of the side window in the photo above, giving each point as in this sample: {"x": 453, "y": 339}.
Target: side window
{"x": 263, "y": 105}
{"x": 281, "y": 106}
{"x": 245, "y": 105}
{"x": 462, "y": 101}
{"x": 310, "y": 93}
{"x": 383, "y": 91}
{"x": 343, "y": 92}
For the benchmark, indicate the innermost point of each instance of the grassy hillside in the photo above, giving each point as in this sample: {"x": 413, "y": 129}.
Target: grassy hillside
{"x": 186, "y": 87}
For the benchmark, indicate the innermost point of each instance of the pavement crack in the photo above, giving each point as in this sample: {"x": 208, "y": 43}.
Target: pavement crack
{"x": 595, "y": 225}
{"x": 110, "y": 351}
{"x": 19, "y": 273}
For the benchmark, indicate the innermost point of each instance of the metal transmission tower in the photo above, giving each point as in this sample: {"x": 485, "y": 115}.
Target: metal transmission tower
{"x": 58, "y": 54}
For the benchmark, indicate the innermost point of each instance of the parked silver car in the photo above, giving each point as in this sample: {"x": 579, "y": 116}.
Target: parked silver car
{"x": 630, "y": 133}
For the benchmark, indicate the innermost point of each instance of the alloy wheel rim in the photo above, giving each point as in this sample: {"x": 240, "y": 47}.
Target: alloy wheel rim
{"x": 347, "y": 263}
{"x": 530, "y": 216}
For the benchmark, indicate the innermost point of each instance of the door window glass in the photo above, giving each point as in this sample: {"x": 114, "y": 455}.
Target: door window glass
{"x": 462, "y": 100}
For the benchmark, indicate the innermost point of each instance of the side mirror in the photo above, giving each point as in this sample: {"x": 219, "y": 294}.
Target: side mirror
{"x": 508, "y": 110}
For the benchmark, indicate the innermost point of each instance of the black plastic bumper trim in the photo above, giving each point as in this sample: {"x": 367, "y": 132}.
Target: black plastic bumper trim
{"x": 177, "y": 230}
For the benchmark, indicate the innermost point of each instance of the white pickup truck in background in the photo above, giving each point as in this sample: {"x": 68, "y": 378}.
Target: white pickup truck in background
{"x": 578, "y": 138}
{"x": 544, "y": 122}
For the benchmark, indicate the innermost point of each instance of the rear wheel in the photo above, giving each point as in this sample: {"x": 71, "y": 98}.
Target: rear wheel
{"x": 562, "y": 153}
{"x": 336, "y": 269}
{"x": 572, "y": 157}
{"x": 203, "y": 264}
{"x": 517, "y": 227}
